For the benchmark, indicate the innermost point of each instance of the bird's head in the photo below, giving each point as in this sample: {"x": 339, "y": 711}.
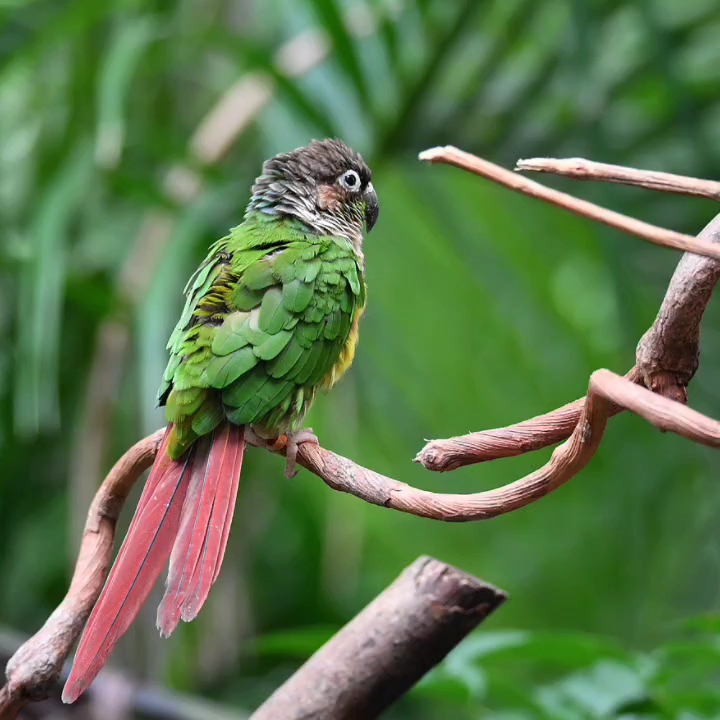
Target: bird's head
{"x": 325, "y": 184}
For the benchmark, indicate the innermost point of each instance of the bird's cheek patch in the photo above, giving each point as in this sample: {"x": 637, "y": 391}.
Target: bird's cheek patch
{"x": 329, "y": 199}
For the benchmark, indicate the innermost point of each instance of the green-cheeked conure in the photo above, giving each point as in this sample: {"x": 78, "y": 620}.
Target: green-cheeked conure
{"x": 271, "y": 317}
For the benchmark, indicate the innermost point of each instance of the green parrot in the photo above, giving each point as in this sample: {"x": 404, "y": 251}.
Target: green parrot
{"x": 271, "y": 316}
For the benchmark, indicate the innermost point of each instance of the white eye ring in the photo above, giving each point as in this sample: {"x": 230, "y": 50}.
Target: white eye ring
{"x": 350, "y": 180}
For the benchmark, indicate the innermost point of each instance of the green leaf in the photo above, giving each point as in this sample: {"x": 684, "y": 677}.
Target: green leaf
{"x": 597, "y": 693}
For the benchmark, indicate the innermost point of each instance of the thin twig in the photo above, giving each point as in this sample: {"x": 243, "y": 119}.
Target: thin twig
{"x": 388, "y": 647}
{"x": 645, "y": 231}
{"x": 580, "y": 169}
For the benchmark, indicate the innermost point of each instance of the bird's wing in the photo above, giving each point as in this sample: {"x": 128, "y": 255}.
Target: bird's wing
{"x": 292, "y": 311}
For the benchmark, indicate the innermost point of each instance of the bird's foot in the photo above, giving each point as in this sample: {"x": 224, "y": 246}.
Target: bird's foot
{"x": 290, "y": 443}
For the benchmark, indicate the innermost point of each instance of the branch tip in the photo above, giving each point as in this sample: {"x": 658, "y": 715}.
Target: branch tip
{"x": 432, "y": 154}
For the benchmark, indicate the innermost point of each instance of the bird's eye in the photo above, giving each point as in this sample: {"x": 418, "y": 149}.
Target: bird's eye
{"x": 350, "y": 180}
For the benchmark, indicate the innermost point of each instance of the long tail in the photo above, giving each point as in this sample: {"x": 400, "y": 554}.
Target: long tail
{"x": 200, "y": 546}
{"x": 184, "y": 514}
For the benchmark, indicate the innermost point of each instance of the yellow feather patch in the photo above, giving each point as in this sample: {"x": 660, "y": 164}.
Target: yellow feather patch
{"x": 347, "y": 355}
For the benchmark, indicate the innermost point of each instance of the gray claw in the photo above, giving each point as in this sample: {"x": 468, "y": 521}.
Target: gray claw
{"x": 294, "y": 440}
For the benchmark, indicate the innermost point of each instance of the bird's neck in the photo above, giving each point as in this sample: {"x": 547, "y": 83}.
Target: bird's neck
{"x": 309, "y": 221}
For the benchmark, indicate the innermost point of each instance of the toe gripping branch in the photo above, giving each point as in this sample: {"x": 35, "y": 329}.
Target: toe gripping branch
{"x": 655, "y": 388}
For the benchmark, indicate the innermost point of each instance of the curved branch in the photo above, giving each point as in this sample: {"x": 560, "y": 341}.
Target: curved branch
{"x": 645, "y": 231}
{"x": 35, "y": 668}
{"x": 608, "y": 394}
{"x": 664, "y": 413}
{"x": 568, "y": 459}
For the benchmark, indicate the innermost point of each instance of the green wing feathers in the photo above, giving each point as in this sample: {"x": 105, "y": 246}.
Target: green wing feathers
{"x": 266, "y": 319}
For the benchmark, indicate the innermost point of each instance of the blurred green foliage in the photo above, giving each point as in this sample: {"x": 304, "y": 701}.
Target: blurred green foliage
{"x": 485, "y": 308}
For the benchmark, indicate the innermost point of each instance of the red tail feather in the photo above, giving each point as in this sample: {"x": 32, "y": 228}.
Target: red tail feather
{"x": 137, "y": 567}
{"x": 167, "y": 524}
{"x": 207, "y": 516}
{"x": 216, "y": 538}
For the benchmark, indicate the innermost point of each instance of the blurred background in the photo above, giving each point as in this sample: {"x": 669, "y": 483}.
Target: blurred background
{"x": 130, "y": 133}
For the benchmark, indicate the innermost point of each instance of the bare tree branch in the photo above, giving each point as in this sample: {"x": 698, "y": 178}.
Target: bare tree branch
{"x": 665, "y": 414}
{"x": 645, "y": 231}
{"x": 580, "y": 169}
{"x": 387, "y": 648}
{"x": 608, "y": 394}
{"x": 668, "y": 354}
{"x": 666, "y": 360}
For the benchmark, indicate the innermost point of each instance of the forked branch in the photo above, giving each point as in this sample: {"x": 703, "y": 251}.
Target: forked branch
{"x": 645, "y": 231}
{"x": 667, "y": 355}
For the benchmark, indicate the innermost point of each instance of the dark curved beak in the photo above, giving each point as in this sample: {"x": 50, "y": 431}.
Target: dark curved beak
{"x": 372, "y": 208}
